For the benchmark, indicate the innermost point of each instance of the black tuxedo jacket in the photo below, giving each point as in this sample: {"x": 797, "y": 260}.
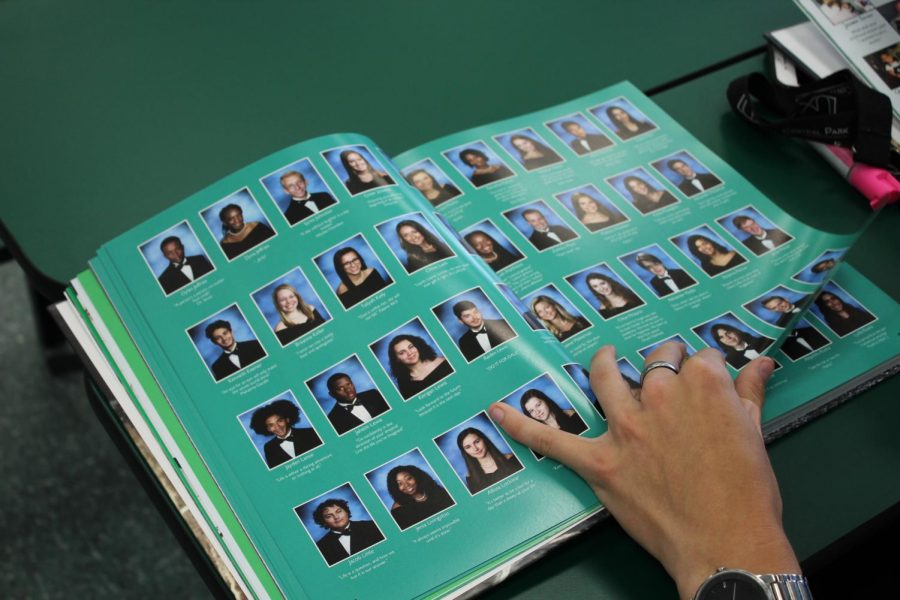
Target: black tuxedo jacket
{"x": 297, "y": 211}
{"x": 248, "y": 353}
{"x": 594, "y": 142}
{"x": 777, "y": 236}
{"x": 681, "y": 279}
{"x": 783, "y": 319}
{"x": 362, "y": 535}
{"x": 498, "y": 331}
{"x": 792, "y": 347}
{"x": 708, "y": 180}
{"x": 343, "y": 420}
{"x": 304, "y": 439}
{"x": 173, "y": 279}
{"x": 542, "y": 241}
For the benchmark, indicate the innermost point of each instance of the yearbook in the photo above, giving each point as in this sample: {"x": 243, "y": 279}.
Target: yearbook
{"x": 309, "y": 345}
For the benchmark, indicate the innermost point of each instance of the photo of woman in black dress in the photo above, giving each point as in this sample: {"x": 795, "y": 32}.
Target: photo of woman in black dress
{"x": 422, "y": 247}
{"x": 483, "y": 172}
{"x": 645, "y": 197}
{"x": 434, "y": 192}
{"x": 490, "y": 250}
{"x": 361, "y": 176}
{"x": 714, "y": 258}
{"x": 296, "y": 316}
{"x": 358, "y": 281}
{"x": 416, "y": 495}
{"x": 627, "y": 126}
{"x": 485, "y": 464}
{"x": 840, "y": 316}
{"x": 614, "y": 298}
{"x": 532, "y": 154}
{"x": 415, "y": 365}
{"x": 739, "y": 347}
{"x": 540, "y": 407}
{"x": 238, "y": 236}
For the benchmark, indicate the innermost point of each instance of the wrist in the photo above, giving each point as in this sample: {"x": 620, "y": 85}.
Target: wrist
{"x": 767, "y": 553}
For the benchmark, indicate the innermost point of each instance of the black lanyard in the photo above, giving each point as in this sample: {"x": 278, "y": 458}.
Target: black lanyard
{"x": 838, "y": 110}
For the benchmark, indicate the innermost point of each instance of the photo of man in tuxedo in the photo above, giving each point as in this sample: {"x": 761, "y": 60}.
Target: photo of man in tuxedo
{"x": 303, "y": 203}
{"x": 482, "y": 334}
{"x": 760, "y": 240}
{"x": 804, "y": 339}
{"x": 182, "y": 269}
{"x": 352, "y": 408}
{"x": 584, "y": 142}
{"x": 665, "y": 281}
{"x": 783, "y": 307}
{"x": 235, "y": 355}
{"x": 543, "y": 234}
{"x": 277, "y": 419}
{"x": 692, "y": 182}
{"x": 345, "y": 536}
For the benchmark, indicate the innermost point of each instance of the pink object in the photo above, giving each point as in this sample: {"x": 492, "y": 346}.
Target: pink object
{"x": 878, "y": 186}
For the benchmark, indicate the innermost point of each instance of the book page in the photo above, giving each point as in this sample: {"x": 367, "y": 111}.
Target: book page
{"x": 331, "y": 348}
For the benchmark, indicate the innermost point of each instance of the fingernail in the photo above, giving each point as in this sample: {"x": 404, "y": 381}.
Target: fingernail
{"x": 497, "y": 414}
{"x": 766, "y": 366}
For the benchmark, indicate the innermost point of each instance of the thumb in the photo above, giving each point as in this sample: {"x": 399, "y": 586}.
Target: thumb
{"x": 543, "y": 439}
{"x": 751, "y": 382}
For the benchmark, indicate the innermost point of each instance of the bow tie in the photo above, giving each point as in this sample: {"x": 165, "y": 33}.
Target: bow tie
{"x": 289, "y": 438}
{"x": 345, "y": 532}
{"x": 480, "y": 331}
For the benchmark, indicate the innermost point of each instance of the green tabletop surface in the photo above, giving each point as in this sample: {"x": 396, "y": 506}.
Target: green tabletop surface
{"x": 113, "y": 110}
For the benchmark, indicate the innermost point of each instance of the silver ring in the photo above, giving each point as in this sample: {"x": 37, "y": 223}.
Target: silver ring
{"x": 657, "y": 364}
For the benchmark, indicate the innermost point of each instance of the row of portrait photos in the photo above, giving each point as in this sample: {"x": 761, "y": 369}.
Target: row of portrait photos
{"x": 177, "y": 258}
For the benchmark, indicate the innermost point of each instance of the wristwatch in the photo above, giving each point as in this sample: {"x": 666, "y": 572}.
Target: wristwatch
{"x": 735, "y": 584}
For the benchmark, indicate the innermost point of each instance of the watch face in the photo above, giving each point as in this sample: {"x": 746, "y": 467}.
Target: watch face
{"x": 733, "y": 585}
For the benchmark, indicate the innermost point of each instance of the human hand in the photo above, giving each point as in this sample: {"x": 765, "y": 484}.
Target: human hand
{"x": 684, "y": 469}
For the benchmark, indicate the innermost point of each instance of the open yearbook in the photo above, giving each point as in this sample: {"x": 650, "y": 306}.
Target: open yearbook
{"x": 310, "y": 344}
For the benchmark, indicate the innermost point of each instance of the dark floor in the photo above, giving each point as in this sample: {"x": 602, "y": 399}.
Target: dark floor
{"x": 74, "y": 522}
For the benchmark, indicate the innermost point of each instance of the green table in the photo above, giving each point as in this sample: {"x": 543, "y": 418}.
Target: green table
{"x": 112, "y": 111}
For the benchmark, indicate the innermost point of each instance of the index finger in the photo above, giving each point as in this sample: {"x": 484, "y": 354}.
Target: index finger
{"x": 566, "y": 448}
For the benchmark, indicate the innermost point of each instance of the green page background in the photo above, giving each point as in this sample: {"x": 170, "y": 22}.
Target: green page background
{"x": 545, "y": 494}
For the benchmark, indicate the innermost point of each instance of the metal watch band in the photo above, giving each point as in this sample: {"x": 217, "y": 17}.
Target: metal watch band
{"x": 788, "y": 586}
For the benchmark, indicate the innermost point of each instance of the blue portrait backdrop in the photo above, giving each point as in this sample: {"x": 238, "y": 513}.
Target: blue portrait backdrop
{"x": 240, "y": 329}
{"x": 314, "y": 182}
{"x": 704, "y": 331}
{"x": 381, "y": 348}
{"x": 388, "y": 231}
{"x": 358, "y": 243}
{"x": 618, "y": 182}
{"x": 727, "y": 222}
{"x": 558, "y": 128}
{"x": 771, "y": 317}
{"x": 520, "y": 307}
{"x": 681, "y": 240}
{"x": 333, "y": 157}
{"x": 551, "y": 292}
{"x": 809, "y": 275}
{"x": 566, "y": 199}
{"x": 630, "y": 261}
{"x": 541, "y": 144}
{"x": 154, "y": 256}
{"x": 844, "y": 297}
{"x": 601, "y": 111}
{"x": 444, "y": 311}
{"x": 446, "y": 442}
{"x": 627, "y": 370}
{"x": 249, "y": 207}
{"x": 352, "y": 366}
{"x": 358, "y": 511}
{"x": 515, "y": 216}
{"x": 453, "y": 156}
{"x": 645, "y": 352}
{"x": 662, "y": 165}
{"x": 579, "y": 282}
{"x": 260, "y": 440}
{"x": 378, "y": 477}
{"x": 295, "y": 278}
{"x": 582, "y": 379}
{"x": 488, "y": 227}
